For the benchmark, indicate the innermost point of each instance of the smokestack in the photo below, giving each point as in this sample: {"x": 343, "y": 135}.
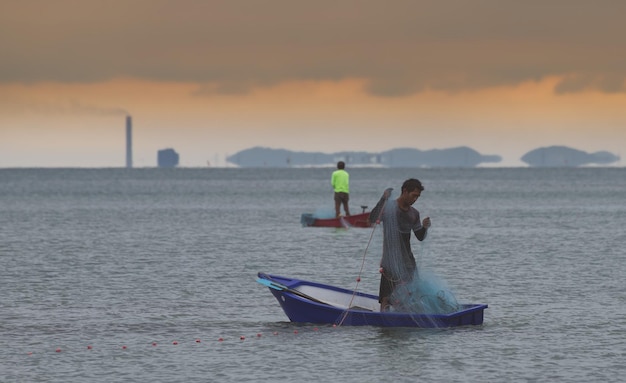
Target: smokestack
{"x": 129, "y": 142}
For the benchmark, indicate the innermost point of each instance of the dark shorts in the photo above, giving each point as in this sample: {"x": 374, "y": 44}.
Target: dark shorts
{"x": 342, "y": 197}
{"x": 387, "y": 285}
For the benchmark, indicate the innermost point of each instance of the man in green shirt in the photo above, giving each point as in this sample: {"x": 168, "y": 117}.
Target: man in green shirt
{"x": 340, "y": 180}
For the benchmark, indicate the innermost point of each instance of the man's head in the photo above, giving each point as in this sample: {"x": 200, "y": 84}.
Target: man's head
{"x": 412, "y": 184}
{"x": 341, "y": 165}
{"x": 411, "y": 191}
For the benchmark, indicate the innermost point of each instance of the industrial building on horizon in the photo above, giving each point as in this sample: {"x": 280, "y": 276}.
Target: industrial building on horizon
{"x": 167, "y": 158}
{"x": 129, "y": 142}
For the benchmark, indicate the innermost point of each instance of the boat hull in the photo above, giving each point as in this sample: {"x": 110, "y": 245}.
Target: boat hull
{"x": 311, "y": 302}
{"x": 357, "y": 220}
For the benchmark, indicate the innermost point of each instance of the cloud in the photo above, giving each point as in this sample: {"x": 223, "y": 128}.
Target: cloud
{"x": 607, "y": 83}
{"x": 76, "y": 107}
{"x": 397, "y": 47}
{"x": 67, "y": 107}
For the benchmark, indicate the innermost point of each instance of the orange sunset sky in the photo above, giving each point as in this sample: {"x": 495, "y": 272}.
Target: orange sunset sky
{"x": 211, "y": 78}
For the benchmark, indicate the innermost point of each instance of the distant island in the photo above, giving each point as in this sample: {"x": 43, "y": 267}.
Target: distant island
{"x": 404, "y": 157}
{"x": 460, "y": 157}
{"x": 562, "y": 156}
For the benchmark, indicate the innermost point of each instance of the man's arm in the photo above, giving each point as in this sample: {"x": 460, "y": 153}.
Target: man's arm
{"x": 422, "y": 231}
{"x": 377, "y": 210}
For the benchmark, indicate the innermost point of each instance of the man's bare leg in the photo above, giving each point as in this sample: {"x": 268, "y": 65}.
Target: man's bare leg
{"x": 384, "y": 304}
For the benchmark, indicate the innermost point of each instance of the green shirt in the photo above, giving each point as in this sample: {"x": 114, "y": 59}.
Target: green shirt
{"x": 340, "y": 181}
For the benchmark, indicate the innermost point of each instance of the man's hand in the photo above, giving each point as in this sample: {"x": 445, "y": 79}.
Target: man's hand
{"x": 387, "y": 193}
{"x": 426, "y": 222}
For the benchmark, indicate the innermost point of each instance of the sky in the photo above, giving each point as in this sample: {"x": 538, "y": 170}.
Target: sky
{"x": 209, "y": 78}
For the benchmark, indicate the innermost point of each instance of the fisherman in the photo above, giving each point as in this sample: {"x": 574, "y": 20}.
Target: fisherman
{"x": 340, "y": 180}
{"x": 399, "y": 219}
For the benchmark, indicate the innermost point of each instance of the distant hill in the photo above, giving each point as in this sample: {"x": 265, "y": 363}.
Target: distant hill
{"x": 561, "y": 156}
{"x": 402, "y": 157}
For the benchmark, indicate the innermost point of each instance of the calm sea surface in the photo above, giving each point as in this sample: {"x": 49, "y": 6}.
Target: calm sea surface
{"x": 148, "y": 275}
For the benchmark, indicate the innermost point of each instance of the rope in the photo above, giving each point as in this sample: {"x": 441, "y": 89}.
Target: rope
{"x": 358, "y": 279}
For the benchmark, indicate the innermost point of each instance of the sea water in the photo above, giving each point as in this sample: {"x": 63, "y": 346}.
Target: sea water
{"x": 148, "y": 275}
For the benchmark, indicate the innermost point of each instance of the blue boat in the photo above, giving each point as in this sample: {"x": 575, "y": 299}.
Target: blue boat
{"x": 312, "y": 302}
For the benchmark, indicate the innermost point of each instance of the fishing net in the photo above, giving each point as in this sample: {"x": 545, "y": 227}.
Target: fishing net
{"x": 424, "y": 293}
{"x": 415, "y": 290}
